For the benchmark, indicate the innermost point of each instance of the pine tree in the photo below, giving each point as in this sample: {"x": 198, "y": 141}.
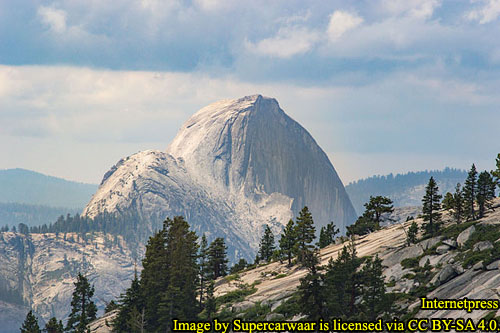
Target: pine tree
{"x": 448, "y": 201}
{"x": 343, "y": 284}
{"x": 431, "y": 203}
{"x": 54, "y": 326}
{"x": 470, "y": 192}
{"x": 411, "y": 237}
{"x": 179, "y": 300}
{"x": 210, "y": 305}
{"x": 496, "y": 173}
{"x": 154, "y": 277}
{"x": 30, "y": 324}
{"x": 83, "y": 309}
{"x": 376, "y": 207}
{"x": 375, "y": 300}
{"x": 327, "y": 235}
{"x": 304, "y": 233}
{"x": 287, "y": 241}
{"x": 458, "y": 204}
{"x": 203, "y": 264}
{"x": 485, "y": 192}
{"x": 267, "y": 245}
{"x": 311, "y": 291}
{"x": 130, "y": 302}
{"x": 217, "y": 258}
{"x": 239, "y": 266}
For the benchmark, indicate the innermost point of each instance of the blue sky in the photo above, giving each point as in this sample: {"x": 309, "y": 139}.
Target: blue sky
{"x": 384, "y": 86}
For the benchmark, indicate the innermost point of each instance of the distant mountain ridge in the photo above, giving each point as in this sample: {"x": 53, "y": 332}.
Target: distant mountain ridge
{"x": 33, "y": 188}
{"x": 404, "y": 189}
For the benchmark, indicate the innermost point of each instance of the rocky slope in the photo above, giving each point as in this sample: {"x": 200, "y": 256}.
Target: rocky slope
{"x": 452, "y": 274}
{"x": 38, "y": 271}
{"x": 233, "y": 166}
{"x": 452, "y": 277}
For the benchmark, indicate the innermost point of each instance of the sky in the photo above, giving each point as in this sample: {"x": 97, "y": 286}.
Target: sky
{"x": 383, "y": 86}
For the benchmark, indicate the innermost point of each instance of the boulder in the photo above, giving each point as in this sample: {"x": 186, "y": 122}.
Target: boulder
{"x": 451, "y": 243}
{"x": 274, "y": 317}
{"x": 428, "y": 243}
{"x": 478, "y": 266}
{"x": 493, "y": 266}
{"x": 481, "y": 246}
{"x": 445, "y": 275}
{"x": 465, "y": 235}
{"x": 442, "y": 249}
{"x": 242, "y": 306}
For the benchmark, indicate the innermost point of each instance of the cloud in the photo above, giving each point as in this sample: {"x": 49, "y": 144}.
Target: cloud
{"x": 341, "y": 22}
{"x": 287, "y": 43}
{"x": 420, "y": 9}
{"x": 487, "y": 13}
{"x": 55, "y": 19}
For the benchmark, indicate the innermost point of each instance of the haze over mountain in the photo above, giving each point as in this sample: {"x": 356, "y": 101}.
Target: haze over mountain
{"x": 33, "y": 188}
{"x": 233, "y": 166}
{"x": 404, "y": 189}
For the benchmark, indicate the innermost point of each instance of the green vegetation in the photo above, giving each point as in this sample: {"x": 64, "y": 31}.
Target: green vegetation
{"x": 431, "y": 204}
{"x": 235, "y": 296}
{"x": 83, "y": 309}
{"x": 30, "y": 324}
{"x": 371, "y": 218}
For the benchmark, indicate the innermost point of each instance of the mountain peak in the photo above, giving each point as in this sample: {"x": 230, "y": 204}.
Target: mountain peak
{"x": 233, "y": 166}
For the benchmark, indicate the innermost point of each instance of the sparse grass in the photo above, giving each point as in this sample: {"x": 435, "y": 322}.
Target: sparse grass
{"x": 454, "y": 230}
{"x": 257, "y": 312}
{"x": 235, "y": 296}
{"x": 410, "y": 262}
{"x": 232, "y": 277}
{"x": 279, "y": 276}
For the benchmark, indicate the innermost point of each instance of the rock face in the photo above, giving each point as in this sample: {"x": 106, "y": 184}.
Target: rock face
{"x": 38, "y": 272}
{"x": 234, "y": 166}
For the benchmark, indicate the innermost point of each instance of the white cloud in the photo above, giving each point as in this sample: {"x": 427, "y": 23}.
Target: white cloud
{"x": 341, "y": 22}
{"x": 55, "y": 19}
{"x": 287, "y": 43}
{"x": 421, "y": 9}
{"x": 487, "y": 13}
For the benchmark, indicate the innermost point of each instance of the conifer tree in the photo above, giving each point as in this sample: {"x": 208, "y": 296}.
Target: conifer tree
{"x": 210, "y": 306}
{"x": 54, "y": 326}
{"x": 458, "y": 204}
{"x": 154, "y": 276}
{"x": 179, "y": 300}
{"x": 267, "y": 245}
{"x": 496, "y": 173}
{"x": 311, "y": 291}
{"x": 376, "y": 207}
{"x": 411, "y": 237}
{"x": 239, "y": 266}
{"x": 469, "y": 193}
{"x": 30, "y": 324}
{"x": 485, "y": 192}
{"x": 375, "y": 300}
{"x": 217, "y": 258}
{"x": 304, "y": 233}
{"x": 343, "y": 284}
{"x": 327, "y": 235}
{"x": 83, "y": 309}
{"x": 287, "y": 241}
{"x": 431, "y": 203}
{"x": 130, "y": 302}
{"x": 203, "y": 264}
{"x": 448, "y": 201}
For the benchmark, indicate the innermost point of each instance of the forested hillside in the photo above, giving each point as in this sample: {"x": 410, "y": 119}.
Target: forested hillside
{"x": 403, "y": 189}
{"x": 12, "y": 214}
